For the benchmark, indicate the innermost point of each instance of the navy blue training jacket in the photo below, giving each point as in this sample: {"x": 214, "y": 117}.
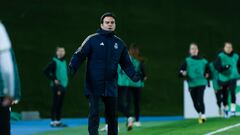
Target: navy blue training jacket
{"x": 103, "y": 52}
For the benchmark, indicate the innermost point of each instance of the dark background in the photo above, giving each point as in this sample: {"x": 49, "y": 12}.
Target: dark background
{"x": 163, "y": 29}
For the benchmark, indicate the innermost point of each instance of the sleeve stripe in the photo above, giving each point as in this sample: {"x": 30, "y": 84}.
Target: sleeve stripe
{"x": 84, "y": 42}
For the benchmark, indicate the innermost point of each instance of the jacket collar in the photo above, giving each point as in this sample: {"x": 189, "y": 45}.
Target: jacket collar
{"x": 104, "y": 32}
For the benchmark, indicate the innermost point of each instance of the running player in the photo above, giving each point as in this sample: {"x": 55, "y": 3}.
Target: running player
{"x": 195, "y": 70}
{"x": 227, "y": 64}
{"x": 220, "y": 94}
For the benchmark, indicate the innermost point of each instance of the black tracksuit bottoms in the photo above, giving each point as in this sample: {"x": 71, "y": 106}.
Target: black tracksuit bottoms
{"x": 197, "y": 94}
{"x": 57, "y": 104}
{"x": 221, "y": 96}
{"x": 122, "y": 101}
{"x": 134, "y": 93}
{"x": 110, "y": 113}
{"x": 229, "y": 87}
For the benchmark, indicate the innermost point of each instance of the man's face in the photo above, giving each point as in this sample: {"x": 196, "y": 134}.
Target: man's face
{"x": 193, "y": 50}
{"x": 228, "y": 48}
{"x": 108, "y": 24}
{"x": 60, "y": 52}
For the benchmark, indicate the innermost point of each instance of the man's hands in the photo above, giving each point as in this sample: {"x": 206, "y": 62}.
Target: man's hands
{"x": 183, "y": 72}
{"x": 7, "y": 101}
{"x": 57, "y": 82}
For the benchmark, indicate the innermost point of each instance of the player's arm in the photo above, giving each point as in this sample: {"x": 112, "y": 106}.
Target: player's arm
{"x": 219, "y": 67}
{"x": 50, "y": 70}
{"x": 210, "y": 71}
{"x": 183, "y": 69}
{"x": 79, "y": 56}
{"x": 238, "y": 64}
{"x": 143, "y": 71}
{"x": 207, "y": 71}
{"x": 128, "y": 67}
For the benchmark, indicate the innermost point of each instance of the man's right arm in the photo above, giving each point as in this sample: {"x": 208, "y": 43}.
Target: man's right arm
{"x": 79, "y": 56}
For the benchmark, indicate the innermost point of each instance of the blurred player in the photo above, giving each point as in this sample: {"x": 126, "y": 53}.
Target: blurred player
{"x": 9, "y": 81}
{"x": 220, "y": 94}
{"x": 103, "y": 51}
{"x": 227, "y": 64}
{"x": 135, "y": 88}
{"x": 195, "y": 70}
{"x": 57, "y": 72}
{"x": 123, "y": 90}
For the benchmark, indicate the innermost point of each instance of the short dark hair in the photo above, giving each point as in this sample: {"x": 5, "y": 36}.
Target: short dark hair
{"x": 107, "y": 14}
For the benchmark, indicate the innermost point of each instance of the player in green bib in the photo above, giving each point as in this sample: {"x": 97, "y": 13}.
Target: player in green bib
{"x": 57, "y": 72}
{"x": 135, "y": 88}
{"x": 227, "y": 64}
{"x": 195, "y": 70}
{"x": 220, "y": 94}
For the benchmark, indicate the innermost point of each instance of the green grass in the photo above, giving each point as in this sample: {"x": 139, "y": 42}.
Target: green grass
{"x": 184, "y": 127}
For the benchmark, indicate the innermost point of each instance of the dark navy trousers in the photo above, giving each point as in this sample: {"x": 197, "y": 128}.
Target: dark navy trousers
{"x": 110, "y": 104}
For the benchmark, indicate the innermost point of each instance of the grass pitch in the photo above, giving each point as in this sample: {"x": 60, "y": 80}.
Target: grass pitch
{"x": 183, "y": 127}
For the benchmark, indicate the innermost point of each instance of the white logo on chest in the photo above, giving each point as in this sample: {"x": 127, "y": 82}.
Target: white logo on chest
{"x": 116, "y": 46}
{"x": 102, "y": 44}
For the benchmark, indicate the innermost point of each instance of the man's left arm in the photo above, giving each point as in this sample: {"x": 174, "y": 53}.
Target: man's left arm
{"x": 128, "y": 67}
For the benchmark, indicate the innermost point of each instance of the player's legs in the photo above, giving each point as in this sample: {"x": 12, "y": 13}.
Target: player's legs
{"x": 111, "y": 114}
{"x": 200, "y": 99}
{"x": 130, "y": 119}
{"x": 197, "y": 94}
{"x": 122, "y": 95}
{"x": 232, "y": 89}
{"x": 60, "y": 105}
{"x": 219, "y": 97}
{"x": 225, "y": 99}
{"x": 4, "y": 120}
{"x": 93, "y": 118}
{"x": 54, "y": 104}
{"x": 193, "y": 93}
{"x": 137, "y": 96}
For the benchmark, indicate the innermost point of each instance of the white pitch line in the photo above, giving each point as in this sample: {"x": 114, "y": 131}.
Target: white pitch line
{"x": 223, "y": 129}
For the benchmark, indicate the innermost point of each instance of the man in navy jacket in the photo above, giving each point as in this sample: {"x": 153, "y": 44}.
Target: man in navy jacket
{"x": 103, "y": 51}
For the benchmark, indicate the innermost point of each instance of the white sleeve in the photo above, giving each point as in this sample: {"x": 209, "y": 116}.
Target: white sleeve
{"x": 7, "y": 73}
{"x": 5, "y": 43}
